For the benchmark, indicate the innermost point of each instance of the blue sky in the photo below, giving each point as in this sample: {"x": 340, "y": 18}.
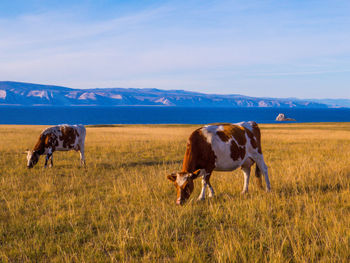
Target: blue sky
{"x": 291, "y": 48}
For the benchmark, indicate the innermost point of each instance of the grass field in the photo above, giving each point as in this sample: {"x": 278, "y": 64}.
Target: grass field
{"x": 122, "y": 208}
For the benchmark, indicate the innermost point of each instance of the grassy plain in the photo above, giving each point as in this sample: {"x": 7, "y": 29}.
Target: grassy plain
{"x": 121, "y": 207}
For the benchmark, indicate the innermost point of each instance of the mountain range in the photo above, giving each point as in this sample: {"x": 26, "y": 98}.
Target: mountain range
{"x": 28, "y": 94}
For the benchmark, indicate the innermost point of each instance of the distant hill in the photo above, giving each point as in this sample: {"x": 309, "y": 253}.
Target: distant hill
{"x": 334, "y": 103}
{"x": 17, "y": 93}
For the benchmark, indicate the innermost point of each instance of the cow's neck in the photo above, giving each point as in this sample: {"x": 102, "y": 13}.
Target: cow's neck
{"x": 40, "y": 146}
{"x": 189, "y": 162}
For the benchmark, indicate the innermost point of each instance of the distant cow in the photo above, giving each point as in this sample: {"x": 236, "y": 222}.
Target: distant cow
{"x": 58, "y": 138}
{"x": 222, "y": 147}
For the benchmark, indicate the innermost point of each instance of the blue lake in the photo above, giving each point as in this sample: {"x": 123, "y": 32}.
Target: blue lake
{"x": 160, "y": 115}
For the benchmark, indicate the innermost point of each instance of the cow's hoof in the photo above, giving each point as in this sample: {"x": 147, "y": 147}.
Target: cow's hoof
{"x": 200, "y": 199}
{"x": 244, "y": 192}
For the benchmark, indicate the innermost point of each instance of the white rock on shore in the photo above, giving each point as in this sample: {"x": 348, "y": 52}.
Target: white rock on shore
{"x": 282, "y": 117}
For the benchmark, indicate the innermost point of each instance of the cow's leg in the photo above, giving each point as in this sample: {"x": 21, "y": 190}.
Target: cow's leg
{"x": 246, "y": 172}
{"x": 205, "y": 183}
{"x": 46, "y": 159}
{"x": 48, "y": 155}
{"x": 211, "y": 190}
{"x": 82, "y": 156}
{"x": 80, "y": 147}
{"x": 258, "y": 176}
{"x": 51, "y": 161}
{"x": 202, "y": 194}
{"x": 246, "y": 168}
{"x": 263, "y": 167}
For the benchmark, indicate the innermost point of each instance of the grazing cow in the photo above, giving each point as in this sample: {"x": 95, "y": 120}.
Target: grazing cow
{"x": 221, "y": 147}
{"x": 58, "y": 138}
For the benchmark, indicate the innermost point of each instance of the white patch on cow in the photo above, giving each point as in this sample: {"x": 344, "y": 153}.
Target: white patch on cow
{"x": 248, "y": 125}
{"x": 180, "y": 180}
{"x": 203, "y": 172}
{"x": 29, "y": 156}
{"x": 208, "y": 131}
{"x": 220, "y": 128}
{"x": 222, "y": 150}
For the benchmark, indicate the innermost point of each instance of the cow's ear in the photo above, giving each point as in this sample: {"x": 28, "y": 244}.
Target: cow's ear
{"x": 172, "y": 177}
{"x": 195, "y": 174}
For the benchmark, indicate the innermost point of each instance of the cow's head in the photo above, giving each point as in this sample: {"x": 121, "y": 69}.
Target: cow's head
{"x": 183, "y": 182}
{"x": 32, "y": 158}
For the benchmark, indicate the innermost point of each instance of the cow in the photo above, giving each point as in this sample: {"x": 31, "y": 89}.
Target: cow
{"x": 220, "y": 147}
{"x": 58, "y": 138}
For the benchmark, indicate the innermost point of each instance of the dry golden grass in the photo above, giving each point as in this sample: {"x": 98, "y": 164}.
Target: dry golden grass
{"x": 122, "y": 208}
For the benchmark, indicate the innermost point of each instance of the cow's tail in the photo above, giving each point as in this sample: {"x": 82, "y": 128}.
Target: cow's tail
{"x": 258, "y": 176}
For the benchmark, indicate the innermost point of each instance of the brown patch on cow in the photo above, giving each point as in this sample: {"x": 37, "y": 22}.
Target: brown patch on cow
{"x": 255, "y": 137}
{"x": 237, "y": 151}
{"x": 234, "y": 131}
{"x": 223, "y": 136}
{"x": 172, "y": 177}
{"x": 257, "y": 134}
{"x": 252, "y": 138}
{"x": 48, "y": 140}
{"x": 199, "y": 154}
{"x": 68, "y": 136}
{"x": 39, "y": 147}
{"x": 51, "y": 141}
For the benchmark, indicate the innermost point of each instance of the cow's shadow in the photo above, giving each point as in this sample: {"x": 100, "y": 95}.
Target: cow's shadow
{"x": 108, "y": 166}
{"x": 150, "y": 163}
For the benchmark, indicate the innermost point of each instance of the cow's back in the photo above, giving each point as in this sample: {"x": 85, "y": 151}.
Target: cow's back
{"x": 61, "y": 138}
{"x": 230, "y": 144}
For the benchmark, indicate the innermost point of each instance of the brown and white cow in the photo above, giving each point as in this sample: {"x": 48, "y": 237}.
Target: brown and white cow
{"x": 58, "y": 138}
{"x": 221, "y": 147}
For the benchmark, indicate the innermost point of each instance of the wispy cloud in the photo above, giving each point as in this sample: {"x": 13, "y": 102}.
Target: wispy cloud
{"x": 302, "y": 73}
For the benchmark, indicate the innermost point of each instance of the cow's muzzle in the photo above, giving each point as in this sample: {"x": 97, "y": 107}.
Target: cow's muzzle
{"x": 179, "y": 201}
